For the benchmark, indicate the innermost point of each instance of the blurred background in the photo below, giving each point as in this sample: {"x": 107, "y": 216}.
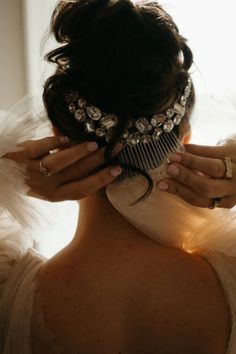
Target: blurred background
{"x": 210, "y": 28}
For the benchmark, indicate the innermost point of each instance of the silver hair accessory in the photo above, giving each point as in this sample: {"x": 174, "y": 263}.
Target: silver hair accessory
{"x": 147, "y": 142}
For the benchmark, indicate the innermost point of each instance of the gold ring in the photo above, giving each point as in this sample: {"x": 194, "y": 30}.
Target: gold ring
{"x": 44, "y": 170}
{"x": 215, "y": 203}
{"x": 228, "y": 167}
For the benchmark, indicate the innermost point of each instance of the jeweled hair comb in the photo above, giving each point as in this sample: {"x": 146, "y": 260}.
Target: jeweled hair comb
{"x": 147, "y": 141}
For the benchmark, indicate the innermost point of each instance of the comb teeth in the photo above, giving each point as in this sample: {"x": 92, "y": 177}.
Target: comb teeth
{"x": 149, "y": 156}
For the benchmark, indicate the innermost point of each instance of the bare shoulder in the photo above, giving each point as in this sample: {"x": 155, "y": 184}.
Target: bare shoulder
{"x": 192, "y": 308}
{"x": 153, "y": 299}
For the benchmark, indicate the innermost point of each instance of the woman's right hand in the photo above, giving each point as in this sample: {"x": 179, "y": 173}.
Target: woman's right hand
{"x": 71, "y": 168}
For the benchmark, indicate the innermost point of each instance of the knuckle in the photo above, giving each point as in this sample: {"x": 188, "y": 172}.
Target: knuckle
{"x": 208, "y": 190}
{"x": 188, "y": 160}
{"x": 185, "y": 176}
{"x": 31, "y": 151}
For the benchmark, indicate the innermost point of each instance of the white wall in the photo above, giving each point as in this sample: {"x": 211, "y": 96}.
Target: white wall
{"x": 12, "y": 58}
{"x": 37, "y": 19}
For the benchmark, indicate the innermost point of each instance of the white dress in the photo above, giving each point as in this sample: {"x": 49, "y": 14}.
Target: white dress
{"x": 19, "y": 263}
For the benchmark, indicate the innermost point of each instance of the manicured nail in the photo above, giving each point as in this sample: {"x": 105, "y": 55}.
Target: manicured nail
{"x": 64, "y": 139}
{"x": 116, "y": 171}
{"x": 92, "y": 146}
{"x": 173, "y": 170}
{"x": 163, "y": 186}
{"x": 175, "y": 158}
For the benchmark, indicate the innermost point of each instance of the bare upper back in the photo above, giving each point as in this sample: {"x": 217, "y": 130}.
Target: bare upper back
{"x": 145, "y": 299}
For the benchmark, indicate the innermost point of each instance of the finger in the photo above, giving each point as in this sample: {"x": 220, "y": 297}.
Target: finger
{"x": 205, "y": 186}
{"x": 83, "y": 188}
{"x": 218, "y": 152}
{"x": 228, "y": 202}
{"x": 210, "y": 167}
{"x": 60, "y": 160}
{"x": 38, "y": 148}
{"x": 186, "y": 193}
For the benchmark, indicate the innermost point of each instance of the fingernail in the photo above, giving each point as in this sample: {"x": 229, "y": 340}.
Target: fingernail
{"x": 175, "y": 158}
{"x": 92, "y": 146}
{"x": 163, "y": 186}
{"x": 173, "y": 170}
{"x": 64, "y": 139}
{"x": 116, "y": 171}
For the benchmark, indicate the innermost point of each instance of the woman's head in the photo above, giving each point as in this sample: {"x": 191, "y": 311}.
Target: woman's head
{"x": 128, "y": 59}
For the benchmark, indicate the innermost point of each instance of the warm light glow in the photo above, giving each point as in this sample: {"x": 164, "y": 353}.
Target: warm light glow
{"x": 209, "y": 26}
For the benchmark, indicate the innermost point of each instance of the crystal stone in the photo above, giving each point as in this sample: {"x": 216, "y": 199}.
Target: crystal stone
{"x": 109, "y": 121}
{"x": 82, "y": 103}
{"x": 168, "y": 126}
{"x": 72, "y": 107}
{"x": 80, "y": 115}
{"x": 143, "y": 125}
{"x": 180, "y": 110}
{"x": 94, "y": 112}
{"x": 146, "y": 139}
{"x": 157, "y": 133}
{"x": 183, "y": 100}
{"x": 170, "y": 113}
{"x": 133, "y": 139}
{"x": 89, "y": 126}
{"x": 126, "y": 134}
{"x": 187, "y": 90}
{"x": 100, "y": 132}
{"x": 71, "y": 96}
{"x": 158, "y": 120}
{"x": 177, "y": 120}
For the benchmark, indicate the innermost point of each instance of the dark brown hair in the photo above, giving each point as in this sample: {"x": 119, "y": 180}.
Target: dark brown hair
{"x": 128, "y": 59}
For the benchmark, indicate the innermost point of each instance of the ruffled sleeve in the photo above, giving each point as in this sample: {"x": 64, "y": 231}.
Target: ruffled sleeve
{"x": 17, "y": 214}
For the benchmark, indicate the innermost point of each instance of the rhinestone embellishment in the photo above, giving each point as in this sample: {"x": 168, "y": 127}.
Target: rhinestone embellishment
{"x": 100, "y": 132}
{"x": 168, "y": 126}
{"x": 158, "y": 120}
{"x": 72, "y": 107}
{"x": 94, "y": 113}
{"x": 143, "y": 125}
{"x": 141, "y": 130}
{"x": 133, "y": 139}
{"x": 177, "y": 120}
{"x": 80, "y": 115}
{"x": 89, "y": 127}
{"x": 180, "y": 110}
{"x": 146, "y": 139}
{"x": 82, "y": 103}
{"x": 170, "y": 113}
{"x": 157, "y": 133}
{"x": 109, "y": 121}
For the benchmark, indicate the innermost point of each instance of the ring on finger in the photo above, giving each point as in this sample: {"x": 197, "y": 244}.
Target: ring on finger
{"x": 215, "y": 202}
{"x": 43, "y": 170}
{"x": 228, "y": 167}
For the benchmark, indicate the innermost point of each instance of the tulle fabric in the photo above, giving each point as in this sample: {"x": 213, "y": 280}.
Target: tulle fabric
{"x": 171, "y": 221}
{"x": 19, "y": 217}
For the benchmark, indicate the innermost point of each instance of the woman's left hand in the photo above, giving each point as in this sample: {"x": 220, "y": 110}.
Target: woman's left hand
{"x": 199, "y": 175}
